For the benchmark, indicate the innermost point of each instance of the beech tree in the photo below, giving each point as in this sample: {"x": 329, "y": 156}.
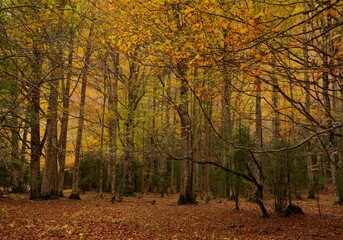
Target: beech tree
{"x": 75, "y": 194}
{"x": 176, "y": 86}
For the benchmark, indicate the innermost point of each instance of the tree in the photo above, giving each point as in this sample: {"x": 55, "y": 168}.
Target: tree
{"x": 62, "y": 141}
{"x": 113, "y": 121}
{"x": 84, "y": 76}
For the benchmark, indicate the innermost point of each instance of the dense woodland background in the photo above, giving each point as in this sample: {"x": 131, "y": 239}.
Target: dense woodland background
{"x": 202, "y": 98}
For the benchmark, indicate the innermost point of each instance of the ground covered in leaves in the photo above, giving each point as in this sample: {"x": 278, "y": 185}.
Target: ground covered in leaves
{"x": 152, "y": 217}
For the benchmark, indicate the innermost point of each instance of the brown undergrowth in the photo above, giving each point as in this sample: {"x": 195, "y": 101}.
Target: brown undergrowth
{"x": 151, "y": 217}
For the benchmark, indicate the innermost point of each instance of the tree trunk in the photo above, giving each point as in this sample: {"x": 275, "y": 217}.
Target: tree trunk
{"x": 259, "y": 199}
{"x": 187, "y": 194}
{"x": 207, "y": 144}
{"x": 172, "y": 185}
{"x": 36, "y": 147}
{"x": 326, "y": 53}
{"x": 129, "y": 156}
{"x": 17, "y": 163}
{"x": 310, "y": 179}
{"x": 279, "y": 167}
{"x": 101, "y": 159}
{"x": 132, "y": 98}
{"x": 84, "y": 75}
{"x": 227, "y": 121}
{"x": 337, "y": 176}
{"x": 163, "y": 112}
{"x": 23, "y": 158}
{"x": 275, "y": 103}
{"x": 113, "y": 123}
{"x": 62, "y": 143}
{"x": 50, "y": 179}
{"x": 50, "y": 173}
{"x": 258, "y": 114}
{"x": 258, "y": 131}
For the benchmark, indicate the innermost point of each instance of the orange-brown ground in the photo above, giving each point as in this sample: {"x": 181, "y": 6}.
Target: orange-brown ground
{"x": 138, "y": 218}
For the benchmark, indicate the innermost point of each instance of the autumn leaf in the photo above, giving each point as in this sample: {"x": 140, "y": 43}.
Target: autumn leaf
{"x": 209, "y": 28}
{"x": 138, "y": 218}
{"x": 257, "y": 72}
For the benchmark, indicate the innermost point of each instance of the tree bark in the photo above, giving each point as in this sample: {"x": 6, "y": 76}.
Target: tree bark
{"x": 258, "y": 130}
{"x": 207, "y": 143}
{"x": 275, "y": 103}
{"x": 310, "y": 179}
{"x": 172, "y": 184}
{"x": 50, "y": 180}
{"x": 227, "y": 120}
{"x": 62, "y": 143}
{"x": 187, "y": 194}
{"x": 50, "y": 173}
{"x": 326, "y": 53}
{"x": 258, "y": 114}
{"x": 133, "y": 99}
{"x": 35, "y": 143}
{"x": 113, "y": 123}
{"x": 102, "y": 136}
{"x": 17, "y": 163}
{"x": 75, "y": 194}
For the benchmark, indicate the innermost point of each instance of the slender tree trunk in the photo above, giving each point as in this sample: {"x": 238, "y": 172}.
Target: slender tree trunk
{"x": 227, "y": 122}
{"x": 333, "y": 165}
{"x": 275, "y": 102}
{"x": 280, "y": 167}
{"x": 172, "y": 185}
{"x": 163, "y": 111}
{"x": 36, "y": 147}
{"x": 17, "y": 164}
{"x": 207, "y": 144}
{"x": 23, "y": 159}
{"x": 310, "y": 179}
{"x": 156, "y": 162}
{"x": 165, "y": 120}
{"x": 62, "y": 143}
{"x": 113, "y": 123}
{"x": 258, "y": 114}
{"x": 258, "y": 131}
{"x": 101, "y": 159}
{"x": 195, "y": 128}
{"x": 323, "y": 163}
{"x": 153, "y": 160}
{"x": 161, "y": 173}
{"x": 259, "y": 199}
{"x": 84, "y": 75}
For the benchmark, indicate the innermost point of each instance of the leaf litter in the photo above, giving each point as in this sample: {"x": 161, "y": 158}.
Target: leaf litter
{"x": 152, "y": 217}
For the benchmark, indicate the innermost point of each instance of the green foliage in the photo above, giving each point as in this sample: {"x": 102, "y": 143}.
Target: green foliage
{"x": 137, "y": 171}
{"x": 68, "y": 179}
{"x": 5, "y": 176}
{"x": 285, "y": 174}
{"x": 242, "y": 136}
{"x": 89, "y": 172}
{"x": 339, "y": 181}
{"x": 219, "y": 182}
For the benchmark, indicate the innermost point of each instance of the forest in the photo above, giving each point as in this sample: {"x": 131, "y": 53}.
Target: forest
{"x": 206, "y": 99}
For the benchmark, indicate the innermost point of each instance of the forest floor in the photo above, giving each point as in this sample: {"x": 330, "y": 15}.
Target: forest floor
{"x": 152, "y": 217}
